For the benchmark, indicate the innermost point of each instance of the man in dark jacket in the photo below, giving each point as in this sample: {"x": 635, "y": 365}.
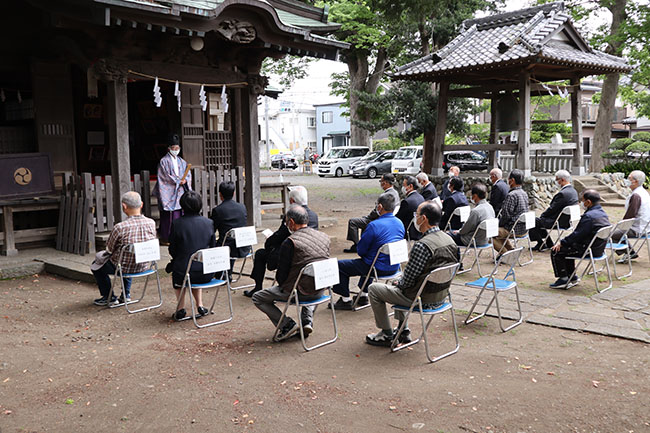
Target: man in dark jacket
{"x": 499, "y": 191}
{"x": 304, "y": 246}
{"x": 567, "y": 196}
{"x": 445, "y": 192}
{"x": 267, "y": 257}
{"x": 435, "y": 249}
{"x": 427, "y": 190}
{"x": 577, "y": 242}
{"x": 409, "y": 205}
{"x": 229, "y": 215}
{"x": 456, "y": 199}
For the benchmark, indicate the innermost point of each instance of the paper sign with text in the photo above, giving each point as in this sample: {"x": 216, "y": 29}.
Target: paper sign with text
{"x": 148, "y": 251}
{"x": 574, "y": 211}
{"x": 245, "y": 236}
{"x": 464, "y": 213}
{"x": 398, "y": 252}
{"x": 529, "y": 218}
{"x": 215, "y": 259}
{"x": 437, "y": 201}
{"x": 267, "y": 233}
{"x": 326, "y": 273}
{"x": 491, "y": 227}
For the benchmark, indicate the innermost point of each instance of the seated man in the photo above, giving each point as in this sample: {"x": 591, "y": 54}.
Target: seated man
{"x": 356, "y": 224}
{"x": 567, "y": 196}
{"x": 445, "y": 192}
{"x": 433, "y": 250}
{"x": 136, "y": 228}
{"x": 481, "y": 212}
{"x": 305, "y": 245}
{"x": 499, "y": 190}
{"x": 637, "y": 205}
{"x": 514, "y": 205}
{"x": 427, "y": 190}
{"x": 383, "y": 230}
{"x": 577, "y": 242}
{"x": 226, "y": 216}
{"x": 456, "y": 199}
{"x": 267, "y": 257}
{"x": 409, "y": 205}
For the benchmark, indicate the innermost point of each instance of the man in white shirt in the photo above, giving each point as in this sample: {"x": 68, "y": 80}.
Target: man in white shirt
{"x": 637, "y": 206}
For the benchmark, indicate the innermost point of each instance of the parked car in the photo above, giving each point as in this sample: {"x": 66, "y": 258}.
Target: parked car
{"x": 407, "y": 160}
{"x": 337, "y": 161}
{"x": 283, "y": 160}
{"x": 374, "y": 163}
{"x": 465, "y": 160}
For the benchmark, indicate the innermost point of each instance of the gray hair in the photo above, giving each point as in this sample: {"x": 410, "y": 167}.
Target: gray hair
{"x": 422, "y": 177}
{"x": 298, "y": 214}
{"x": 639, "y": 176}
{"x": 132, "y": 200}
{"x": 387, "y": 201}
{"x": 497, "y": 172}
{"x": 563, "y": 174}
{"x": 299, "y": 195}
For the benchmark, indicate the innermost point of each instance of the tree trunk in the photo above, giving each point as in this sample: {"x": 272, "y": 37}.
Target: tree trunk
{"x": 603, "y": 128}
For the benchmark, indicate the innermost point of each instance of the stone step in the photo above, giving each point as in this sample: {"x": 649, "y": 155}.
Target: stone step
{"x": 20, "y": 269}
{"x": 69, "y": 269}
{"x": 614, "y": 203}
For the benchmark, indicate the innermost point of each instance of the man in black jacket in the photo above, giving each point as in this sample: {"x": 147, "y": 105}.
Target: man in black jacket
{"x": 499, "y": 191}
{"x": 445, "y": 192}
{"x": 409, "y": 205}
{"x": 456, "y": 199}
{"x": 427, "y": 190}
{"x": 267, "y": 257}
{"x": 567, "y": 196}
{"x": 577, "y": 242}
{"x": 226, "y": 216}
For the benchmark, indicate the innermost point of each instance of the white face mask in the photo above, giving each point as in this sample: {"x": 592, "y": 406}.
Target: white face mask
{"x": 627, "y": 183}
{"x": 582, "y": 206}
{"x": 451, "y": 173}
{"x": 404, "y": 190}
{"x": 175, "y": 152}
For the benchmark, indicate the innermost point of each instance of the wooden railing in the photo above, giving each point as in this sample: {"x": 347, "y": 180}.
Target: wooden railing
{"x": 543, "y": 163}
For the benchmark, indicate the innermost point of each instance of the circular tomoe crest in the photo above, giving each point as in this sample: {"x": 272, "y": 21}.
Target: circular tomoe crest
{"x": 22, "y": 176}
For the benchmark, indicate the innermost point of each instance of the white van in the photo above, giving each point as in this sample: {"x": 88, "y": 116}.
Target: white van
{"x": 338, "y": 159}
{"x": 407, "y": 160}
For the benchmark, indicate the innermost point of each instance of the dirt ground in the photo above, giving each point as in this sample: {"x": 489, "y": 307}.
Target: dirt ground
{"x": 68, "y": 366}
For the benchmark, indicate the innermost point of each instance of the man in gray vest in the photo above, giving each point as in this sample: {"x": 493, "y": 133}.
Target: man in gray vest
{"x": 433, "y": 250}
{"x": 305, "y": 245}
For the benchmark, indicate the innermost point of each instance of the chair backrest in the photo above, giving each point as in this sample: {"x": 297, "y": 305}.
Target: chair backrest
{"x": 325, "y": 273}
{"x": 398, "y": 252}
{"x": 528, "y": 218}
{"x": 147, "y": 251}
{"x": 214, "y": 259}
{"x": 462, "y": 212}
{"x": 437, "y": 201}
{"x": 490, "y": 226}
{"x": 443, "y": 274}
{"x": 623, "y": 225}
{"x": 244, "y": 236}
{"x": 573, "y": 211}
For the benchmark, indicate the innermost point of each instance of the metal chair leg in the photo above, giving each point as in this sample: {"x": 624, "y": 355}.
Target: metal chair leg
{"x": 144, "y": 290}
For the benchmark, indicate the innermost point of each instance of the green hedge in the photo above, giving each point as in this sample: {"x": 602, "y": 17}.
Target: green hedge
{"x": 627, "y": 167}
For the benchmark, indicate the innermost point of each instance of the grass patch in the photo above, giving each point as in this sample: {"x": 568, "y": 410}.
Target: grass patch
{"x": 370, "y": 191}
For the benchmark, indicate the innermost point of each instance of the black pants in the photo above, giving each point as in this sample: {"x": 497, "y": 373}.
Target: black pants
{"x": 263, "y": 259}
{"x": 539, "y": 232}
{"x": 563, "y": 267}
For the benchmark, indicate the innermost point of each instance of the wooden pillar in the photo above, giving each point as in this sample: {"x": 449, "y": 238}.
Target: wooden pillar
{"x": 10, "y": 242}
{"x": 523, "y": 140}
{"x": 441, "y": 129}
{"x": 251, "y": 156}
{"x": 118, "y": 131}
{"x": 578, "y": 168}
{"x": 494, "y": 132}
{"x": 238, "y": 128}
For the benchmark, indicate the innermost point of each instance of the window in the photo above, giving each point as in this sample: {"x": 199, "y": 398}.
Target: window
{"x": 311, "y": 122}
{"x": 356, "y": 153}
{"x": 216, "y": 115}
{"x": 328, "y": 116}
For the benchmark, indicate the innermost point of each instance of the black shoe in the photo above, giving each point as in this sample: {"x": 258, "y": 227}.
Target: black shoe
{"x": 362, "y": 302}
{"x": 575, "y": 279}
{"x": 290, "y": 328}
{"x": 202, "y": 311}
{"x": 561, "y": 283}
{"x": 352, "y": 249}
{"x": 102, "y": 302}
{"x": 405, "y": 336}
{"x": 341, "y": 305}
{"x": 380, "y": 339}
{"x": 251, "y": 292}
{"x": 178, "y": 315}
{"x": 538, "y": 247}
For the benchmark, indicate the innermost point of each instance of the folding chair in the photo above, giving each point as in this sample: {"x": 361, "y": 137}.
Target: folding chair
{"x": 244, "y": 237}
{"x": 643, "y": 238}
{"x": 602, "y": 234}
{"x": 214, "y": 260}
{"x": 496, "y": 285}
{"x": 527, "y": 218}
{"x": 148, "y": 251}
{"x": 326, "y": 275}
{"x": 622, "y": 245}
{"x": 491, "y": 229}
{"x": 398, "y": 253}
{"x": 440, "y": 275}
{"x": 573, "y": 212}
{"x": 462, "y": 212}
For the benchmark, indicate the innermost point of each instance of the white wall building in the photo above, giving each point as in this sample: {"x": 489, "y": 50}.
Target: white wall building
{"x": 291, "y": 127}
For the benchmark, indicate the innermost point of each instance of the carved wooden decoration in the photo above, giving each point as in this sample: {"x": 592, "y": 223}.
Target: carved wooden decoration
{"x": 240, "y": 32}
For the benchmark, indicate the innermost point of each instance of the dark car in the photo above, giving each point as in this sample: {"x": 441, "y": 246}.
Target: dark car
{"x": 282, "y": 161}
{"x": 465, "y": 160}
{"x": 374, "y": 163}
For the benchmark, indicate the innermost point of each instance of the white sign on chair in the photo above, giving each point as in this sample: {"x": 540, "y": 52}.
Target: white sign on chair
{"x": 398, "y": 252}
{"x": 326, "y": 273}
{"x": 267, "y": 233}
{"x": 529, "y": 218}
{"x": 491, "y": 227}
{"x": 215, "y": 259}
{"x": 464, "y": 213}
{"x": 148, "y": 251}
{"x": 437, "y": 201}
{"x": 245, "y": 236}
{"x": 574, "y": 211}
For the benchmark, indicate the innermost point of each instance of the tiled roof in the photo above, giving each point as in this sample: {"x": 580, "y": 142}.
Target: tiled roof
{"x": 518, "y": 37}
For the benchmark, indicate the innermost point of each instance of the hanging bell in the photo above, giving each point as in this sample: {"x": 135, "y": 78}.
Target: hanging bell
{"x": 507, "y": 112}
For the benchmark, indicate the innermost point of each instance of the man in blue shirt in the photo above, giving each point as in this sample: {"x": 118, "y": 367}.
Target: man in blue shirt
{"x": 385, "y": 229}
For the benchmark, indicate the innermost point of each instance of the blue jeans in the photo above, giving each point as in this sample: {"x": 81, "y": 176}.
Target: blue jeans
{"x": 350, "y": 268}
{"x": 102, "y": 276}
